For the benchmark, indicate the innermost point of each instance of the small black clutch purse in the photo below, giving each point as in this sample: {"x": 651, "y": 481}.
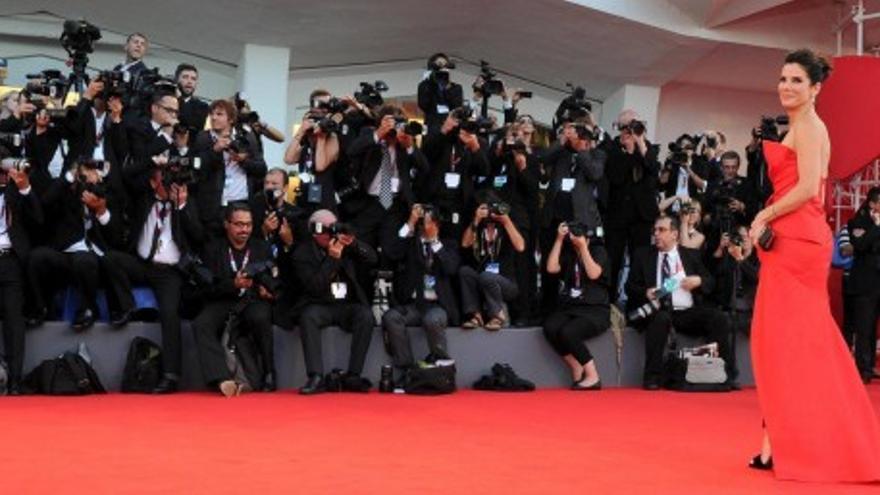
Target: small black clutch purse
{"x": 765, "y": 240}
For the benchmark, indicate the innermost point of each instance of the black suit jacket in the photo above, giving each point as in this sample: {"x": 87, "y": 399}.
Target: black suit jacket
{"x": 186, "y": 229}
{"x": 864, "y": 276}
{"x": 409, "y": 253}
{"x": 431, "y": 188}
{"x": 366, "y": 156}
{"x": 144, "y": 143}
{"x": 24, "y": 214}
{"x": 216, "y": 259}
{"x": 643, "y": 275}
{"x": 631, "y": 186}
{"x": 69, "y": 227}
{"x": 430, "y": 96}
{"x": 212, "y": 177}
{"x": 316, "y": 270}
{"x": 587, "y": 169}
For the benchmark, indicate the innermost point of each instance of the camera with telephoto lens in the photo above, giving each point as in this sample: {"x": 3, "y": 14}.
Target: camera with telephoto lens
{"x": 577, "y": 229}
{"x": 491, "y": 85}
{"x": 18, "y": 164}
{"x": 239, "y": 143}
{"x": 584, "y": 132}
{"x": 194, "y": 271}
{"x": 10, "y": 140}
{"x": 49, "y": 83}
{"x": 677, "y": 154}
{"x": 180, "y": 170}
{"x": 769, "y": 127}
{"x": 512, "y": 146}
{"x": 410, "y": 127}
{"x": 99, "y": 189}
{"x": 263, "y": 275}
{"x": 371, "y": 94}
{"x": 651, "y": 307}
{"x": 246, "y": 116}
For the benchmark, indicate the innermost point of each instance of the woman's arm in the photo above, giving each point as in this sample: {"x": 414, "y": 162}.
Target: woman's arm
{"x": 808, "y": 141}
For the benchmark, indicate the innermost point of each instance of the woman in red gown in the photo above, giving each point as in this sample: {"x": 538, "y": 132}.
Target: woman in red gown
{"x": 817, "y": 414}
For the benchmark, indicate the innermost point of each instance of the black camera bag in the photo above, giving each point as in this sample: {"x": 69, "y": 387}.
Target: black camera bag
{"x": 68, "y": 374}
{"x": 434, "y": 380}
{"x": 143, "y": 366}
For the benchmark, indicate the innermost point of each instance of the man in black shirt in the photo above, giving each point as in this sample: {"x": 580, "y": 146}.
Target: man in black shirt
{"x": 325, "y": 266}
{"x": 193, "y": 111}
{"x": 243, "y": 290}
{"x": 438, "y": 96}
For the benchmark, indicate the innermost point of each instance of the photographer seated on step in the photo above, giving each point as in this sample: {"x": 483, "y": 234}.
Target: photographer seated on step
{"x": 488, "y": 278}
{"x": 423, "y": 287}
{"x": 666, "y": 288}
{"x": 584, "y": 310}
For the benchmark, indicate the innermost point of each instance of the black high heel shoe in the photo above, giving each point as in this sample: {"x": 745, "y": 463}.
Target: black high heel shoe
{"x": 759, "y": 464}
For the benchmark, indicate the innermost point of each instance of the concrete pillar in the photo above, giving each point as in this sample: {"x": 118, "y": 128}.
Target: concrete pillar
{"x": 645, "y": 100}
{"x": 263, "y": 74}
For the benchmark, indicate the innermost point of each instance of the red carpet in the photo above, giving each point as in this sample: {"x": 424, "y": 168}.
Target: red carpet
{"x": 615, "y": 441}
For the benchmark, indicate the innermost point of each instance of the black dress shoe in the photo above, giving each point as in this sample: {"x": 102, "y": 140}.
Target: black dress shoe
{"x": 120, "y": 319}
{"x": 759, "y": 464}
{"x": 37, "y": 318}
{"x": 269, "y": 383}
{"x": 314, "y": 385}
{"x": 13, "y": 389}
{"x": 651, "y": 385}
{"x": 85, "y": 318}
{"x": 167, "y": 385}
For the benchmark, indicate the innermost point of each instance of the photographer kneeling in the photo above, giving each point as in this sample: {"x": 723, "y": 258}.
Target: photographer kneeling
{"x": 325, "y": 266}
{"x": 424, "y": 290}
{"x": 584, "y": 309}
{"x": 490, "y": 275}
{"x": 665, "y": 289}
{"x": 165, "y": 228}
{"x": 243, "y": 290}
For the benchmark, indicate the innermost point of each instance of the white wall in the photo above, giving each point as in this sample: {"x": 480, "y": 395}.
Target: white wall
{"x": 689, "y": 108}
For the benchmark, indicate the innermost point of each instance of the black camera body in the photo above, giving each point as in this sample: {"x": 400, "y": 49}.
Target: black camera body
{"x": 410, "y": 127}
{"x": 48, "y": 83}
{"x": 240, "y": 143}
{"x": 263, "y": 275}
{"x": 180, "y": 170}
{"x": 572, "y": 107}
{"x": 194, "y": 271}
{"x": 371, "y": 94}
{"x": 584, "y": 132}
{"x": 677, "y": 154}
{"x": 499, "y": 208}
{"x": 335, "y": 229}
{"x": 79, "y": 36}
{"x": 491, "y": 84}
{"x": 115, "y": 82}
{"x": 769, "y": 127}
{"x": 99, "y": 189}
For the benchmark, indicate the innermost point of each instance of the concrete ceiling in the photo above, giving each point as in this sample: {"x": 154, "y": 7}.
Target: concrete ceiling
{"x": 601, "y": 43}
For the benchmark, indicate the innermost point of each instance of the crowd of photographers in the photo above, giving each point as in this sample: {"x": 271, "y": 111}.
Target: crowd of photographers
{"x": 470, "y": 222}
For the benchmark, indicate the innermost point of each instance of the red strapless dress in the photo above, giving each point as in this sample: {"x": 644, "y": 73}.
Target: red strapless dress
{"x": 820, "y": 420}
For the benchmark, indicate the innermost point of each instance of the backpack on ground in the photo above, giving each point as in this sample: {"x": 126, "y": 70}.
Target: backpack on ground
{"x": 430, "y": 380}
{"x": 143, "y": 366}
{"x": 68, "y": 374}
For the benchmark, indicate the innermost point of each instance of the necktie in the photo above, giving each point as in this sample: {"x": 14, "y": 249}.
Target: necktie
{"x": 157, "y": 230}
{"x": 386, "y": 197}
{"x": 665, "y": 273}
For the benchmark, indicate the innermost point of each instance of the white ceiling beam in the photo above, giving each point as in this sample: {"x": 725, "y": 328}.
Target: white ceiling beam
{"x": 733, "y": 11}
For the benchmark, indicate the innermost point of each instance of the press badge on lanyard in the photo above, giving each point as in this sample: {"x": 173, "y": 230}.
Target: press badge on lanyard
{"x": 339, "y": 290}
{"x": 430, "y": 292}
{"x": 493, "y": 267}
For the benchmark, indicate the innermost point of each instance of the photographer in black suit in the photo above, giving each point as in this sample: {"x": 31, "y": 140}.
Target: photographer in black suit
{"x": 20, "y": 214}
{"x": 231, "y": 169}
{"x": 87, "y": 224}
{"x": 386, "y": 159}
{"x": 325, "y": 266}
{"x": 735, "y": 266}
{"x": 573, "y": 167}
{"x": 424, "y": 292}
{"x": 46, "y": 148}
{"x": 651, "y": 269}
{"x": 438, "y": 95}
{"x": 165, "y": 227}
{"x": 136, "y": 46}
{"x": 457, "y": 156}
{"x": 730, "y": 201}
{"x": 863, "y": 285}
{"x": 244, "y": 287}
{"x": 314, "y": 151}
{"x": 193, "y": 110}
{"x": 631, "y": 206}
{"x": 151, "y": 138}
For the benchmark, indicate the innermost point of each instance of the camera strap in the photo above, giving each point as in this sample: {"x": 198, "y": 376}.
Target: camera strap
{"x": 161, "y": 213}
